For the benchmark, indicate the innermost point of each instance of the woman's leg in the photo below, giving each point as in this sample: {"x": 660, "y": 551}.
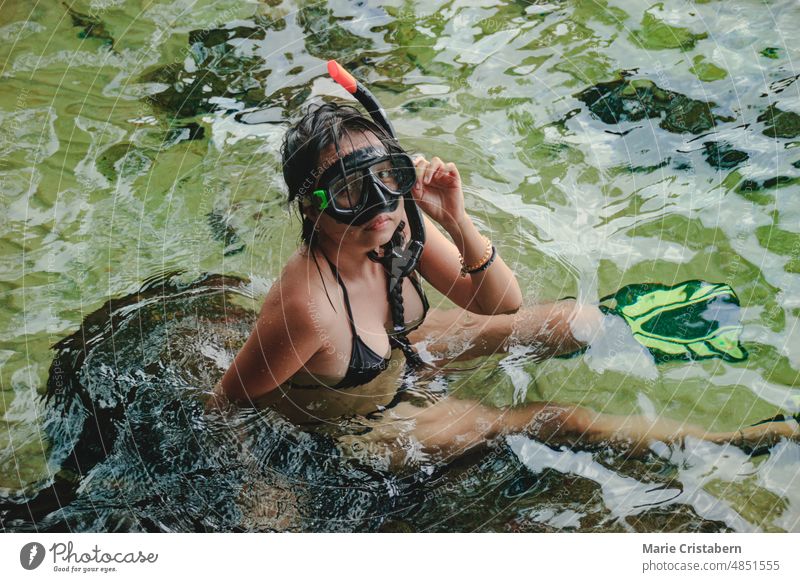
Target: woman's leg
{"x": 550, "y": 328}
{"x": 452, "y": 427}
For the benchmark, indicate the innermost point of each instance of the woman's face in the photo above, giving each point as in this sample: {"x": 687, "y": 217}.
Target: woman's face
{"x": 374, "y": 233}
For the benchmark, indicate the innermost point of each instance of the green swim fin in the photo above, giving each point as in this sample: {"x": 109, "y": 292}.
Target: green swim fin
{"x": 693, "y": 320}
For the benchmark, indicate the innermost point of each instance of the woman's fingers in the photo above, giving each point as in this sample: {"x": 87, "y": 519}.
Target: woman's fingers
{"x": 434, "y": 170}
{"x": 435, "y": 165}
{"x": 420, "y": 163}
{"x": 439, "y": 171}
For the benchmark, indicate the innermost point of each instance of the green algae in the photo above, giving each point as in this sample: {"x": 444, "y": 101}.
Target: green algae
{"x": 770, "y": 52}
{"x": 706, "y": 71}
{"x": 657, "y": 35}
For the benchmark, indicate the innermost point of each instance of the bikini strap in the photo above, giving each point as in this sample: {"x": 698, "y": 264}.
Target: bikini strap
{"x": 335, "y": 272}
{"x": 398, "y": 340}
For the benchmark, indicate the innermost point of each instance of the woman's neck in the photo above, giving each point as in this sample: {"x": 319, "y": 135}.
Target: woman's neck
{"x": 351, "y": 262}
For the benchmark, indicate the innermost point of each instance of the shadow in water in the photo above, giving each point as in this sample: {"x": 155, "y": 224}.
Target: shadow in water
{"x": 132, "y": 450}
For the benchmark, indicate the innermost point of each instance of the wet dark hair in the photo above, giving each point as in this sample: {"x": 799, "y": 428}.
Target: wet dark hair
{"x": 321, "y": 125}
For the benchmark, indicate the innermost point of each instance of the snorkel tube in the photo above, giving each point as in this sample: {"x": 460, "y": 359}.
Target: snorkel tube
{"x": 400, "y": 262}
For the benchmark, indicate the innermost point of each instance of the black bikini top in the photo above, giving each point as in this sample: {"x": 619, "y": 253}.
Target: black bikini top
{"x": 365, "y": 364}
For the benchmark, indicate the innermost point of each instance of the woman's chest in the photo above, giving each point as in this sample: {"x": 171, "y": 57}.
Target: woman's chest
{"x": 367, "y": 322}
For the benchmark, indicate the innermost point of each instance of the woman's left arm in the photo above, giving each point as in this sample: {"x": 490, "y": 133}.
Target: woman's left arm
{"x": 489, "y": 291}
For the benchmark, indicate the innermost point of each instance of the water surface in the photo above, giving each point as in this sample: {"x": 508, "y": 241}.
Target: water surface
{"x": 600, "y": 143}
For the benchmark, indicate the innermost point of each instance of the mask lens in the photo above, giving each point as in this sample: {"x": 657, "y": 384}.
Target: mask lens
{"x": 396, "y": 173}
{"x": 347, "y": 192}
{"x": 392, "y": 174}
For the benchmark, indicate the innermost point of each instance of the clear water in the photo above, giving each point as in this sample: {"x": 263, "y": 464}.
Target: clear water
{"x": 140, "y": 138}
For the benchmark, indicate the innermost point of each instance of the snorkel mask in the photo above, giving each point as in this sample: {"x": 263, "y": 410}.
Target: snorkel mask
{"x": 364, "y": 184}
{"x": 368, "y": 182}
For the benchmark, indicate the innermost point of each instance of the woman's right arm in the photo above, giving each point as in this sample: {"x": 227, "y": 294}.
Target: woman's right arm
{"x": 284, "y": 338}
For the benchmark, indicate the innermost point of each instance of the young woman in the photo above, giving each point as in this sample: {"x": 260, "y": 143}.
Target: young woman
{"x": 328, "y": 345}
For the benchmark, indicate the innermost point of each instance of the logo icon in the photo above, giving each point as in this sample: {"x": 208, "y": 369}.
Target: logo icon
{"x": 31, "y": 555}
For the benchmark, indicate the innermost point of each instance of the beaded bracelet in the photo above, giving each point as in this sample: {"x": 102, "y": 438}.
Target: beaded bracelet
{"x": 488, "y": 256}
{"x": 487, "y": 264}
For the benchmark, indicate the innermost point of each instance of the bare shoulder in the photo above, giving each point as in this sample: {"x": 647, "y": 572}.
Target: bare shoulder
{"x": 284, "y": 339}
{"x": 299, "y": 293}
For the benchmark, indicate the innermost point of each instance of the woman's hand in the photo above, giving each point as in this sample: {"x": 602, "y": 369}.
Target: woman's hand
{"x": 438, "y": 191}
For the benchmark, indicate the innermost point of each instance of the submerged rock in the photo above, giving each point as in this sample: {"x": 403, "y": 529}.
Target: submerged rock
{"x": 425, "y": 103}
{"x": 220, "y": 64}
{"x": 92, "y": 26}
{"x": 224, "y": 69}
{"x": 123, "y": 159}
{"x": 779, "y": 123}
{"x": 326, "y": 38}
{"x": 770, "y": 52}
{"x": 165, "y": 339}
{"x": 749, "y": 186}
{"x": 236, "y": 67}
{"x": 187, "y": 132}
{"x": 222, "y": 231}
{"x": 723, "y": 156}
{"x": 637, "y": 99}
{"x": 631, "y": 169}
{"x": 134, "y": 449}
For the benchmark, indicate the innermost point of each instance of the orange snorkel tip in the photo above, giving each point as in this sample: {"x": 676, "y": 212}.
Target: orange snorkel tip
{"x": 339, "y": 74}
